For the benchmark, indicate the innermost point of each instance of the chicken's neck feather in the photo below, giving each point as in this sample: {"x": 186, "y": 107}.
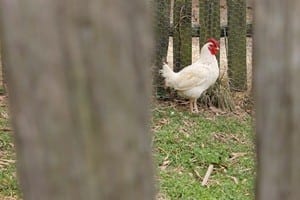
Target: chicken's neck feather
{"x": 205, "y": 54}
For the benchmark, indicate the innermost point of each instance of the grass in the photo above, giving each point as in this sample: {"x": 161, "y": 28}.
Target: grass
{"x": 186, "y": 144}
{"x": 9, "y": 189}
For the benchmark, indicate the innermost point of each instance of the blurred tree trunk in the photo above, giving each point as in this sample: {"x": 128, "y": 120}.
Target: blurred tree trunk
{"x": 277, "y": 81}
{"x": 79, "y": 89}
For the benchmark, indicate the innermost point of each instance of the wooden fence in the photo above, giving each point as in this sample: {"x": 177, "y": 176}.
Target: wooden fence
{"x": 182, "y": 30}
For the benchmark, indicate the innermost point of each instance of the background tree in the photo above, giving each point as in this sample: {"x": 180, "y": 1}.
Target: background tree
{"x": 79, "y": 90}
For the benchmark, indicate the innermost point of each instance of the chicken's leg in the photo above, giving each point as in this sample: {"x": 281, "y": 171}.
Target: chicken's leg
{"x": 191, "y": 105}
{"x": 196, "y": 106}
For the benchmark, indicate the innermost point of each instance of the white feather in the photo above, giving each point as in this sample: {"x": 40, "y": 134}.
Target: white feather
{"x": 194, "y": 79}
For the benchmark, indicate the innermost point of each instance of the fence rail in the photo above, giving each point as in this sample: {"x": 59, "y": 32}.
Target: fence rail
{"x": 223, "y": 30}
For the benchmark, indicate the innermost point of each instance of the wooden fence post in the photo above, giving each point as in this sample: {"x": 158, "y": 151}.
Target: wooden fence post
{"x": 277, "y": 97}
{"x": 182, "y": 39}
{"x": 237, "y": 57}
{"x": 161, "y": 26}
{"x": 79, "y": 91}
{"x": 209, "y": 17}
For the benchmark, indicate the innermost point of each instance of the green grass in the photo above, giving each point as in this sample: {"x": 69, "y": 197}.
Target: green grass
{"x": 8, "y": 181}
{"x": 186, "y": 144}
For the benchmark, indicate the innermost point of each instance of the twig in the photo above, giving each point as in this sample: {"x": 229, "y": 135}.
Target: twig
{"x": 5, "y": 162}
{"x": 207, "y": 175}
{"x": 236, "y": 155}
{"x": 234, "y": 179}
{"x": 5, "y": 129}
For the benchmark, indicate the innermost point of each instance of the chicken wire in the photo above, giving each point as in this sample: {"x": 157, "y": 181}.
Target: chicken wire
{"x": 183, "y": 26}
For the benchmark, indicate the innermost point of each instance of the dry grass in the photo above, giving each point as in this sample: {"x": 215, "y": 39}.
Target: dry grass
{"x": 9, "y": 198}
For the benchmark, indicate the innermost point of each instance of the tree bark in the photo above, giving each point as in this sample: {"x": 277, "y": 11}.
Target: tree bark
{"x": 79, "y": 90}
{"x": 277, "y": 69}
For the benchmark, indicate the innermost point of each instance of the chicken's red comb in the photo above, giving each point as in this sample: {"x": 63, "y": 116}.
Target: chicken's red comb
{"x": 214, "y": 41}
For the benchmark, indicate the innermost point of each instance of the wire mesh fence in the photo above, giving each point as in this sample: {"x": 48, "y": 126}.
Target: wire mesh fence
{"x": 183, "y": 26}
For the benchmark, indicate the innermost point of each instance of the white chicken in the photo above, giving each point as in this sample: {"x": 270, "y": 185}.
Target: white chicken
{"x": 194, "y": 79}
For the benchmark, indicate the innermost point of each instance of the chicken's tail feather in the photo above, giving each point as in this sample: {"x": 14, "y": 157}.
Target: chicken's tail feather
{"x": 168, "y": 74}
